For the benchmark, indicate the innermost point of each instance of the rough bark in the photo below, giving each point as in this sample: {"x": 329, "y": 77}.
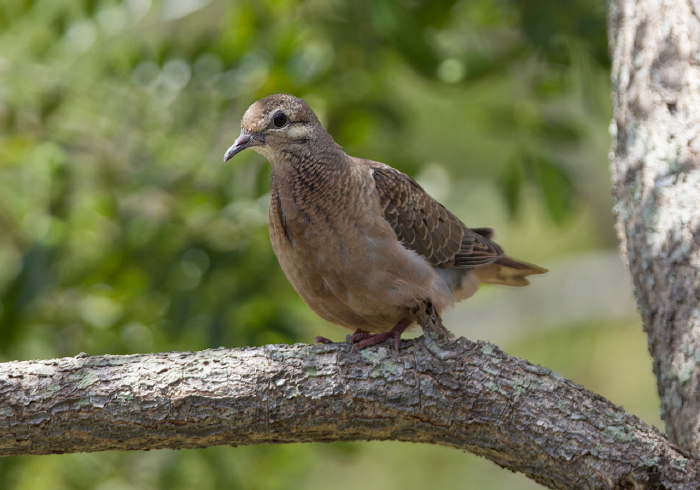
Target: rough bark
{"x": 655, "y": 47}
{"x": 458, "y": 393}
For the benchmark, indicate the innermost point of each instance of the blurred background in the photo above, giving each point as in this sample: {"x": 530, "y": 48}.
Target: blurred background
{"x": 122, "y": 231}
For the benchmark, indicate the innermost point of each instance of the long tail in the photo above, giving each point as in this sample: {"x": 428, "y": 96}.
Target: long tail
{"x": 507, "y": 271}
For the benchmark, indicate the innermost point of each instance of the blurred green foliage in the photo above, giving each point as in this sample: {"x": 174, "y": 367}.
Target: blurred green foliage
{"x": 122, "y": 231}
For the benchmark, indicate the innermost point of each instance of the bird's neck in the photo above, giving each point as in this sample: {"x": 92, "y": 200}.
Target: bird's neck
{"x": 313, "y": 182}
{"x": 315, "y": 162}
{"x": 306, "y": 153}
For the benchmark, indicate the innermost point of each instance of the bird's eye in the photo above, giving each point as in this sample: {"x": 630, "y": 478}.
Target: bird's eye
{"x": 279, "y": 119}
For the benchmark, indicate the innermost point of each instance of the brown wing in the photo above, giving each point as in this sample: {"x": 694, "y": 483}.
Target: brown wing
{"x": 424, "y": 225}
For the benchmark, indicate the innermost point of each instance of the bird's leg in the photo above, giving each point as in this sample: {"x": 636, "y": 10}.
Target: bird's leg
{"x": 358, "y": 336}
{"x": 372, "y": 339}
{"x": 429, "y": 319}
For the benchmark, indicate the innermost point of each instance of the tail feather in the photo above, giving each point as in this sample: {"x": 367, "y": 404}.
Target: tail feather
{"x": 508, "y": 271}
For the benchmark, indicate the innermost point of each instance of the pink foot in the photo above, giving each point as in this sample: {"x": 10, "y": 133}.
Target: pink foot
{"x": 367, "y": 339}
{"x": 358, "y": 336}
{"x": 320, "y": 339}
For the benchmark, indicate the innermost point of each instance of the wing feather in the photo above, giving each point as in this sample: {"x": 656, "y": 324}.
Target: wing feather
{"x": 424, "y": 225}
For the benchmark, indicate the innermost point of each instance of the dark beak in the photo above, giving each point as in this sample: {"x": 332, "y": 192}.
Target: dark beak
{"x": 244, "y": 141}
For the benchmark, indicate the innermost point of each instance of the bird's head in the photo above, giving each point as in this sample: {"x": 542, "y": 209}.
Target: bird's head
{"x": 277, "y": 123}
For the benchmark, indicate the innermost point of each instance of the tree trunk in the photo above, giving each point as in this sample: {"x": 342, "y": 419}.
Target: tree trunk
{"x": 458, "y": 393}
{"x": 655, "y": 46}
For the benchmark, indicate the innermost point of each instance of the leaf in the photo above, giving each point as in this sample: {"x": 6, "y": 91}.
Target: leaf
{"x": 406, "y": 35}
{"x": 511, "y": 184}
{"x": 556, "y": 187}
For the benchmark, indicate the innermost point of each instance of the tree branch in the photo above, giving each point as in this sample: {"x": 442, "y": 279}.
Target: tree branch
{"x": 461, "y": 394}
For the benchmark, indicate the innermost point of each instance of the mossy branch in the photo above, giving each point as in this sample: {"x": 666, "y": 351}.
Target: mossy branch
{"x": 456, "y": 393}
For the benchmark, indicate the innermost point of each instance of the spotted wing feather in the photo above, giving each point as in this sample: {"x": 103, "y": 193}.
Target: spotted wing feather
{"x": 424, "y": 225}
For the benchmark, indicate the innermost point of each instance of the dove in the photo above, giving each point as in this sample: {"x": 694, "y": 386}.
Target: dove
{"x": 364, "y": 245}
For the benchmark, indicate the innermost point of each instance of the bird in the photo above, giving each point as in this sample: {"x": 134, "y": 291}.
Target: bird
{"x": 364, "y": 245}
